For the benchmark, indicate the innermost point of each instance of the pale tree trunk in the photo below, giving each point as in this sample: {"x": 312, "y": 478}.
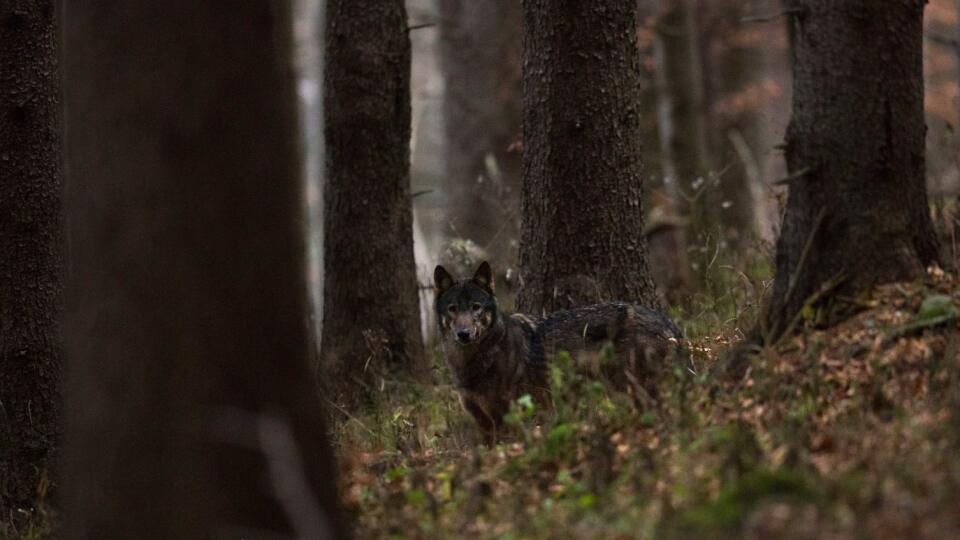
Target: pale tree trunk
{"x": 480, "y": 52}
{"x": 582, "y": 184}
{"x": 371, "y": 310}
{"x": 308, "y": 18}
{"x": 857, "y": 213}
{"x": 31, "y": 255}
{"x": 192, "y": 410}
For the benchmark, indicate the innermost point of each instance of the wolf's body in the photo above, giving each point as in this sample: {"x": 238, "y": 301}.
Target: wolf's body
{"x": 496, "y": 358}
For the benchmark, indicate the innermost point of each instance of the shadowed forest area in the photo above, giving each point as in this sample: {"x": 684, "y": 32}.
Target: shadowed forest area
{"x": 505, "y": 269}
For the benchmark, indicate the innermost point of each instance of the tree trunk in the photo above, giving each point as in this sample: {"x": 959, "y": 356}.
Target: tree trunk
{"x": 481, "y": 49}
{"x": 857, "y": 212}
{"x": 192, "y": 412}
{"x": 582, "y": 185}
{"x": 370, "y": 286}
{"x": 30, "y": 252}
{"x": 791, "y": 9}
{"x": 956, "y": 52}
{"x": 685, "y": 135}
{"x": 736, "y": 55}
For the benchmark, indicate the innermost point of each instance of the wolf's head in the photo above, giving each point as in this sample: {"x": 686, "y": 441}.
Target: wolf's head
{"x": 467, "y": 308}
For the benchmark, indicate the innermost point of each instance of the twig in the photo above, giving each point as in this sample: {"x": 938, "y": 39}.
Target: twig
{"x": 351, "y": 417}
{"x": 808, "y": 245}
{"x": 828, "y": 286}
{"x": 791, "y": 284}
{"x": 941, "y": 39}
{"x": 793, "y": 176}
{"x": 411, "y": 28}
{"x": 416, "y": 194}
{"x": 772, "y": 16}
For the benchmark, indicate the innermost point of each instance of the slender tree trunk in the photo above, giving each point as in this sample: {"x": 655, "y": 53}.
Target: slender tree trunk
{"x": 192, "y": 412}
{"x": 956, "y": 52}
{"x": 685, "y": 137}
{"x": 582, "y": 185}
{"x": 667, "y": 253}
{"x": 735, "y": 53}
{"x": 857, "y": 213}
{"x": 792, "y": 8}
{"x": 370, "y": 290}
{"x": 30, "y": 252}
{"x": 481, "y": 49}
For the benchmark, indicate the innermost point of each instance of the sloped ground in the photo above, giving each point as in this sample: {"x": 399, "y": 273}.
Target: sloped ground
{"x": 848, "y": 432}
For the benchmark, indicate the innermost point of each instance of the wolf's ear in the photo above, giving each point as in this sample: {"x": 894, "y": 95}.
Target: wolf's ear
{"x": 484, "y": 276}
{"x": 442, "y": 279}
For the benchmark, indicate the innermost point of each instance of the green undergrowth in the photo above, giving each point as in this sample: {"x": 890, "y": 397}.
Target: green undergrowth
{"x": 840, "y": 433}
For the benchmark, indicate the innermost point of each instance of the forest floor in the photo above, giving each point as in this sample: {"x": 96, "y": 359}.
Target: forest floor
{"x": 849, "y": 432}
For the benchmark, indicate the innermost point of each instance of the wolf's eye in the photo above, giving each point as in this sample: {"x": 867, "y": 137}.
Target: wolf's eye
{"x": 452, "y": 308}
{"x": 477, "y": 306}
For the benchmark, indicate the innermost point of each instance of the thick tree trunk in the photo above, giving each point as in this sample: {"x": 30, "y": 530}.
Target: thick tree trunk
{"x": 685, "y": 136}
{"x": 857, "y": 212}
{"x": 370, "y": 290}
{"x": 481, "y": 49}
{"x": 192, "y": 412}
{"x": 582, "y": 185}
{"x": 30, "y": 252}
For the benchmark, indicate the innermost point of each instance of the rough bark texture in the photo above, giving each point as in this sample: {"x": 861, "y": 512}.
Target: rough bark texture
{"x": 685, "y": 137}
{"x": 191, "y": 409}
{"x": 481, "y": 50}
{"x": 857, "y": 211}
{"x": 370, "y": 288}
{"x": 30, "y": 251}
{"x": 582, "y": 186}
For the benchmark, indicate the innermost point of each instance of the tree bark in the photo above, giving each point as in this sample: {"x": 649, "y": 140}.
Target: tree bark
{"x": 192, "y": 412}
{"x": 370, "y": 285}
{"x": 857, "y": 212}
{"x": 31, "y": 253}
{"x": 481, "y": 49}
{"x": 582, "y": 186}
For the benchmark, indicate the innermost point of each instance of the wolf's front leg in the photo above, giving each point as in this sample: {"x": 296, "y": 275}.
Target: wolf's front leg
{"x": 489, "y": 427}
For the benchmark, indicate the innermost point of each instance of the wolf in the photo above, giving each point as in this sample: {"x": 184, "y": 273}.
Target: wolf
{"x": 496, "y": 357}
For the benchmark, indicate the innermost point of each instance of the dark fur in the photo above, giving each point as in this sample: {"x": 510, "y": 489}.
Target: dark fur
{"x": 497, "y": 358}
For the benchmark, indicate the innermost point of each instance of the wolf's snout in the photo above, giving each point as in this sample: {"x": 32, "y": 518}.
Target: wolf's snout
{"x": 463, "y": 336}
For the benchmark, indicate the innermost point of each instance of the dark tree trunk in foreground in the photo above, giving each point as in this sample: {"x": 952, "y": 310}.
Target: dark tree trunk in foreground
{"x": 582, "y": 185}
{"x": 30, "y": 252}
{"x": 370, "y": 292}
{"x": 857, "y": 212}
{"x": 481, "y": 53}
{"x": 192, "y": 409}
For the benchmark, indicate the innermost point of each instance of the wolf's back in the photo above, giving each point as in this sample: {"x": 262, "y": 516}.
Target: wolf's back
{"x": 590, "y": 327}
